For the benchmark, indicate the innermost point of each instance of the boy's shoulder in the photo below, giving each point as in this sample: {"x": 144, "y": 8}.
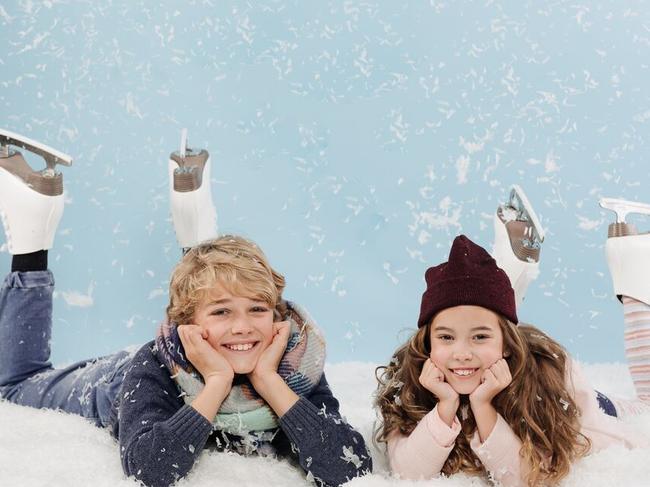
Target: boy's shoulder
{"x": 146, "y": 363}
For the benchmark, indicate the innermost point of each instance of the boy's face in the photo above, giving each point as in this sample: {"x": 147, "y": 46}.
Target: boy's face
{"x": 239, "y": 328}
{"x": 465, "y": 340}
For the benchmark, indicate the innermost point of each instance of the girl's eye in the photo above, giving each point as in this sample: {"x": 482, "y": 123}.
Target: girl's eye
{"x": 481, "y": 337}
{"x": 445, "y": 338}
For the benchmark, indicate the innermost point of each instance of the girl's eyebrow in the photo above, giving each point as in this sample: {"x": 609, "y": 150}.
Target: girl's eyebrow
{"x": 481, "y": 328}
{"x": 475, "y": 328}
{"x": 443, "y": 328}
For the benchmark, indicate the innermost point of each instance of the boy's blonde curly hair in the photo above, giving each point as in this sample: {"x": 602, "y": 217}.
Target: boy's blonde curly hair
{"x": 235, "y": 263}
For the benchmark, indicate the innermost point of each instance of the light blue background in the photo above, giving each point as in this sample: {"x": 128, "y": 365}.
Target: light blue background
{"x": 351, "y": 140}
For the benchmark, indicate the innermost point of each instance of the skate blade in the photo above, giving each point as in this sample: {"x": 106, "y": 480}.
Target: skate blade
{"x": 45, "y": 182}
{"x": 519, "y": 202}
{"x": 622, "y": 208}
{"x": 51, "y": 156}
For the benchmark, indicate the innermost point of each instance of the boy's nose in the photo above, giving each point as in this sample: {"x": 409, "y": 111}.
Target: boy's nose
{"x": 241, "y": 327}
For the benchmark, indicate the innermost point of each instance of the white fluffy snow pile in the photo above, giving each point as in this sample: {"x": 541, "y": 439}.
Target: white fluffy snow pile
{"x": 47, "y": 448}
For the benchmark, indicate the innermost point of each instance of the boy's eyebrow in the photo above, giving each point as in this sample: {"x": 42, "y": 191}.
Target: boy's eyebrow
{"x": 219, "y": 301}
{"x": 228, "y": 300}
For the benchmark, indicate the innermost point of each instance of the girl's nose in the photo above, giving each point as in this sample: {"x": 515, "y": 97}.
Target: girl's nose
{"x": 464, "y": 355}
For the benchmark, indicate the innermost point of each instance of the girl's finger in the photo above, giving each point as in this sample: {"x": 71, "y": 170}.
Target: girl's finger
{"x": 489, "y": 376}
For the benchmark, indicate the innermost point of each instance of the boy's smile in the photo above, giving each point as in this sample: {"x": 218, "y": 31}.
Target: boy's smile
{"x": 240, "y": 328}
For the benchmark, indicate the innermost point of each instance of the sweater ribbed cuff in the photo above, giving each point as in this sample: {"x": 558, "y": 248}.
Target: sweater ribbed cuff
{"x": 303, "y": 419}
{"x": 189, "y": 426}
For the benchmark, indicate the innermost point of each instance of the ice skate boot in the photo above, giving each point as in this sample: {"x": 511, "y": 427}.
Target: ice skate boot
{"x": 628, "y": 251}
{"x": 193, "y": 213}
{"x": 518, "y": 237}
{"x": 31, "y": 202}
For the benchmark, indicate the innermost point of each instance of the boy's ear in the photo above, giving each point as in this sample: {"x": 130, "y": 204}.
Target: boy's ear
{"x": 276, "y": 315}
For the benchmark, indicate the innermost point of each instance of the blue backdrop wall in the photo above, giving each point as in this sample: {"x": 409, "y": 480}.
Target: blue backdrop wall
{"x": 351, "y": 140}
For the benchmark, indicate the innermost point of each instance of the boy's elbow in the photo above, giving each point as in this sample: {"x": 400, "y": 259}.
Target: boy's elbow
{"x": 151, "y": 471}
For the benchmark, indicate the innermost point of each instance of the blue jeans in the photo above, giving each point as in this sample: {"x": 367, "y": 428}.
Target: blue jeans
{"x": 88, "y": 388}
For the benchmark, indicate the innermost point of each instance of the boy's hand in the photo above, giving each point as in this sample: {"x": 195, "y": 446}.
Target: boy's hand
{"x": 267, "y": 364}
{"x": 265, "y": 378}
{"x": 494, "y": 380}
{"x": 208, "y": 361}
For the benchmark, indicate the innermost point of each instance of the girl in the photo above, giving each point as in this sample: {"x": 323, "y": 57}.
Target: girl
{"x": 233, "y": 366}
{"x": 475, "y": 391}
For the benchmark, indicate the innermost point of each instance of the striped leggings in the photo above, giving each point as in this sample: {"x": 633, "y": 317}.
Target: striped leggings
{"x": 637, "y": 351}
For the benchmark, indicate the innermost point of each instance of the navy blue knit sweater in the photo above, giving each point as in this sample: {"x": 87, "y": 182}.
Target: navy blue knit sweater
{"x": 161, "y": 437}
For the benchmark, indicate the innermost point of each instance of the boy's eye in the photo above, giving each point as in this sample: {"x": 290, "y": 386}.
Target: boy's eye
{"x": 220, "y": 312}
{"x": 259, "y": 309}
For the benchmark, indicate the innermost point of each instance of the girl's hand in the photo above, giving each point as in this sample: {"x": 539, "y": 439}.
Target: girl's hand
{"x": 433, "y": 380}
{"x": 494, "y": 380}
{"x": 209, "y": 362}
{"x": 267, "y": 364}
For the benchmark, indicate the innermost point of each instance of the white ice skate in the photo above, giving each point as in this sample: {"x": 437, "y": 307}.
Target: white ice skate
{"x": 628, "y": 252}
{"x": 31, "y": 202}
{"x": 193, "y": 213}
{"x": 518, "y": 237}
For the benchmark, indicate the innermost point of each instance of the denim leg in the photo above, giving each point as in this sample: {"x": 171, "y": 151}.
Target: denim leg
{"x": 25, "y": 325}
{"x": 87, "y": 388}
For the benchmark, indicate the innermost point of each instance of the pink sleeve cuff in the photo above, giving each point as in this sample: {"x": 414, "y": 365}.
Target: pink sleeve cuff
{"x": 502, "y": 444}
{"x": 439, "y": 430}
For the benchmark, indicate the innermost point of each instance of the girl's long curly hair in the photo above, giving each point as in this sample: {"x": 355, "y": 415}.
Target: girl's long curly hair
{"x": 536, "y": 404}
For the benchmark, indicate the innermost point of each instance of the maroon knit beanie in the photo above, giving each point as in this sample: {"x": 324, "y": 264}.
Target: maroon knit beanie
{"x": 469, "y": 277}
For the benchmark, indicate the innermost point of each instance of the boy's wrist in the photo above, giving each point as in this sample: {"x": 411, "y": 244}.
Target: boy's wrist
{"x": 218, "y": 384}
{"x": 263, "y": 381}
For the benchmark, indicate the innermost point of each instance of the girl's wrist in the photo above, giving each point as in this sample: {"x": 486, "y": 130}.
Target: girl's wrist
{"x": 450, "y": 402}
{"x": 447, "y": 409}
{"x": 479, "y": 404}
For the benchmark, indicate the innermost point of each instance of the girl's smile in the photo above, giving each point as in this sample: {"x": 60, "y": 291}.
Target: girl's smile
{"x": 465, "y": 341}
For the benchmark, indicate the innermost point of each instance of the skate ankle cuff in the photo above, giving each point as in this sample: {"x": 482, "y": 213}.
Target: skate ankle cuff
{"x": 34, "y": 261}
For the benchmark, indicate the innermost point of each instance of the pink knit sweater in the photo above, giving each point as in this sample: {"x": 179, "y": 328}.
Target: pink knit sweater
{"x": 423, "y": 453}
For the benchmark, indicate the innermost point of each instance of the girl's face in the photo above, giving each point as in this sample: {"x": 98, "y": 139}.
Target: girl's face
{"x": 465, "y": 340}
{"x": 239, "y": 328}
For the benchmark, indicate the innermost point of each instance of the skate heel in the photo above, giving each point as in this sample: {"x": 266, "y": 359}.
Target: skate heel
{"x": 48, "y": 181}
{"x": 193, "y": 212}
{"x": 31, "y": 202}
{"x": 525, "y": 231}
{"x": 627, "y": 251}
{"x": 518, "y": 237}
{"x": 622, "y": 208}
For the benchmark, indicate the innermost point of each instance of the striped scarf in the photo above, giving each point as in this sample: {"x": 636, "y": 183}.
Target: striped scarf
{"x": 244, "y": 413}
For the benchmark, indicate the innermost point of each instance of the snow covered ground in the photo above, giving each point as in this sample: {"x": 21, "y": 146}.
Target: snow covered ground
{"x": 46, "y": 448}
